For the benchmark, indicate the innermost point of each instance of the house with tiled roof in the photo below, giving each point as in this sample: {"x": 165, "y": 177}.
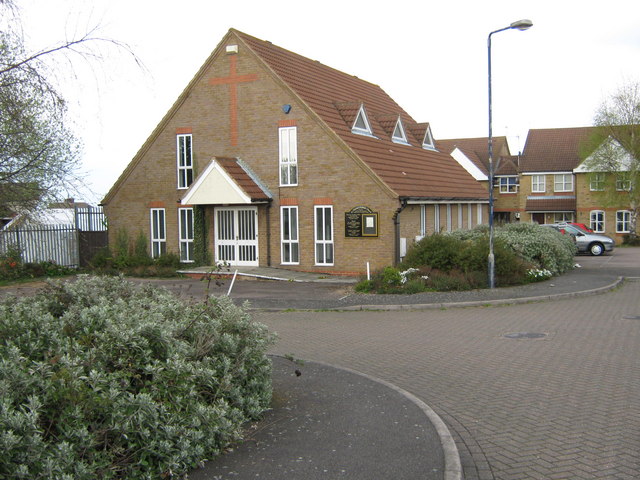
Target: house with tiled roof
{"x": 273, "y": 159}
{"x": 473, "y": 155}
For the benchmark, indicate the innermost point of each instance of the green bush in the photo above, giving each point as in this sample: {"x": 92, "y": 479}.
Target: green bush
{"x": 103, "y": 379}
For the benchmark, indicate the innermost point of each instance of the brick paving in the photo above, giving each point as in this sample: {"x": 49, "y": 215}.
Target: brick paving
{"x": 566, "y": 406}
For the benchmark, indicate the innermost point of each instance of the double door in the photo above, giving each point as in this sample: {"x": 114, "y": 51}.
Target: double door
{"x": 236, "y": 239}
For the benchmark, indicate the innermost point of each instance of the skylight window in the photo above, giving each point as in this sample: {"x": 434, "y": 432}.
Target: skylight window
{"x": 428, "y": 140}
{"x": 362, "y": 126}
{"x": 399, "y": 136}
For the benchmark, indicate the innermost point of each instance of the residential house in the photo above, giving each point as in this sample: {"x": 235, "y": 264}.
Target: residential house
{"x": 473, "y": 155}
{"x": 269, "y": 158}
{"x": 554, "y": 180}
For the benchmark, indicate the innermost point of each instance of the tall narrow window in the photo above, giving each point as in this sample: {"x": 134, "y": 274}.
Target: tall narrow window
{"x": 436, "y": 218}
{"x": 596, "y": 182}
{"x": 185, "y": 225}
{"x": 324, "y": 235}
{"x": 623, "y": 221}
{"x": 158, "y": 232}
{"x": 288, "y": 157}
{"x": 185, "y": 161}
{"x": 449, "y": 217}
{"x": 423, "y": 220}
{"x": 597, "y": 221}
{"x": 289, "y": 235}
{"x": 537, "y": 184}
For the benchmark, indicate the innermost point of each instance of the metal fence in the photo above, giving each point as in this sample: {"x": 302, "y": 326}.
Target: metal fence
{"x": 41, "y": 243}
{"x": 66, "y": 245}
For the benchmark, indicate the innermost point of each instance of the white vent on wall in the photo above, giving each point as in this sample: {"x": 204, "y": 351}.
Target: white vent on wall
{"x": 232, "y": 49}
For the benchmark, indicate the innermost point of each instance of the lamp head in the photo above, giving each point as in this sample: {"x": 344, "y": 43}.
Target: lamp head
{"x": 522, "y": 24}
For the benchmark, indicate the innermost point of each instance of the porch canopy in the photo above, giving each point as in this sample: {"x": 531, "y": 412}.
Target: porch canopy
{"x": 551, "y": 204}
{"x": 226, "y": 181}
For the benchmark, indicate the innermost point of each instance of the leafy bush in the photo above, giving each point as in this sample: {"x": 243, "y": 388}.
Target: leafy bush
{"x": 103, "y": 379}
{"x": 12, "y": 267}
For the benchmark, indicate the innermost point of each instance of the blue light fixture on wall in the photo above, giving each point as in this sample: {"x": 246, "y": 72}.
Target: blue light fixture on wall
{"x": 286, "y": 108}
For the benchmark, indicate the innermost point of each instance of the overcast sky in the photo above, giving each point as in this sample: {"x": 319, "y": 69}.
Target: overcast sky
{"x": 430, "y": 56}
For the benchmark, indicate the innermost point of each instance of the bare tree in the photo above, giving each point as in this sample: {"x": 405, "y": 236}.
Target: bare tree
{"x": 39, "y": 153}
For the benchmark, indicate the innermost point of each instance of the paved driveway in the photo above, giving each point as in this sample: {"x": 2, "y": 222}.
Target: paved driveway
{"x": 562, "y": 406}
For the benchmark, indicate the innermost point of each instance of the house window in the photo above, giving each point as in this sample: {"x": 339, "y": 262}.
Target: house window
{"x": 479, "y": 208}
{"x": 596, "y": 222}
{"x": 185, "y": 228}
{"x": 158, "y": 232}
{"x": 596, "y": 182}
{"x": 324, "y": 235}
{"x": 185, "y": 161}
{"x": 508, "y": 184}
{"x": 623, "y": 221}
{"x": 623, "y": 183}
{"x": 423, "y": 220}
{"x": 538, "y": 184}
{"x": 436, "y": 218}
{"x": 427, "y": 142}
{"x": 361, "y": 126}
{"x": 288, "y": 157}
{"x": 448, "y": 217}
{"x": 562, "y": 217}
{"x": 289, "y": 235}
{"x": 399, "y": 136}
{"x": 563, "y": 182}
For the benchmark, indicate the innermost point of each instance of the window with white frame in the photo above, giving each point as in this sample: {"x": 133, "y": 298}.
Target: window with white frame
{"x": 623, "y": 221}
{"x": 185, "y": 230}
{"x": 185, "y": 161}
{"x": 436, "y": 218}
{"x": 158, "y": 232}
{"x": 289, "y": 235}
{"x": 449, "y": 219}
{"x": 596, "y": 221}
{"x": 288, "y": 156}
{"x": 596, "y": 182}
{"x": 423, "y": 220}
{"x": 563, "y": 182}
{"x": 479, "y": 211}
{"x": 538, "y": 183}
{"x": 562, "y": 217}
{"x": 508, "y": 184}
{"x": 623, "y": 182}
{"x": 428, "y": 142}
{"x": 399, "y": 135}
{"x": 361, "y": 125}
{"x": 324, "y": 234}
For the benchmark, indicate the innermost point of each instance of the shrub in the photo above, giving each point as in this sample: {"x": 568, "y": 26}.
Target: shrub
{"x": 440, "y": 251}
{"x": 102, "y": 379}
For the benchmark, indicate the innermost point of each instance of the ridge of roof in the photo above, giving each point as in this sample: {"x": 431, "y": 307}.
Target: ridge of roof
{"x": 334, "y": 97}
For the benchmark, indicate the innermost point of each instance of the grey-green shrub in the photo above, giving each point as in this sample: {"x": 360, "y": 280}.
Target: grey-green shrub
{"x": 540, "y": 246}
{"x": 100, "y": 378}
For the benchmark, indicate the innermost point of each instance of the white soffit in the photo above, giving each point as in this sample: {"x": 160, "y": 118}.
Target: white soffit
{"x": 468, "y": 165}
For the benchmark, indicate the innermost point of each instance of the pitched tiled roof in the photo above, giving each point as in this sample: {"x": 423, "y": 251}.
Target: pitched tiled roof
{"x": 243, "y": 177}
{"x": 477, "y": 150}
{"x": 555, "y": 149}
{"x": 335, "y": 97}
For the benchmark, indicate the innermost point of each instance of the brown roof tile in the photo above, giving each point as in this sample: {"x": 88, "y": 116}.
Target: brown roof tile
{"x": 547, "y": 204}
{"x": 555, "y": 149}
{"x": 409, "y": 170}
{"x": 242, "y": 177}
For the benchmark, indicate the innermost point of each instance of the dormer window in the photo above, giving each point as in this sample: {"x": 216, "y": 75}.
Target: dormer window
{"x": 362, "y": 126}
{"x": 399, "y": 135}
{"x": 428, "y": 140}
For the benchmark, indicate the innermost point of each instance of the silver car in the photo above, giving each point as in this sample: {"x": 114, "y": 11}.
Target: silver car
{"x": 593, "y": 243}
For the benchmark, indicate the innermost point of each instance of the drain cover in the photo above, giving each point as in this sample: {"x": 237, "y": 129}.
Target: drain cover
{"x": 631, "y": 317}
{"x": 525, "y": 335}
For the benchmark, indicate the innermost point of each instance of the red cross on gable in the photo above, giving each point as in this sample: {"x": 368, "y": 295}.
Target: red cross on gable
{"x": 233, "y": 80}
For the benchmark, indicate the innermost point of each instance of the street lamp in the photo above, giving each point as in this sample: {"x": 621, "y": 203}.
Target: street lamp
{"x": 519, "y": 25}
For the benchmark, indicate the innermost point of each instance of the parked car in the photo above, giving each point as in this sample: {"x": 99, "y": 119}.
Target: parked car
{"x": 593, "y": 243}
{"x": 581, "y": 226}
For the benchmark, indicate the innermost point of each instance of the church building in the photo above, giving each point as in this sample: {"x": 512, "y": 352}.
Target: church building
{"x": 268, "y": 158}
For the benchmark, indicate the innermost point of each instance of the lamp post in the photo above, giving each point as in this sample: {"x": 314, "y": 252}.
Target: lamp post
{"x": 519, "y": 25}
